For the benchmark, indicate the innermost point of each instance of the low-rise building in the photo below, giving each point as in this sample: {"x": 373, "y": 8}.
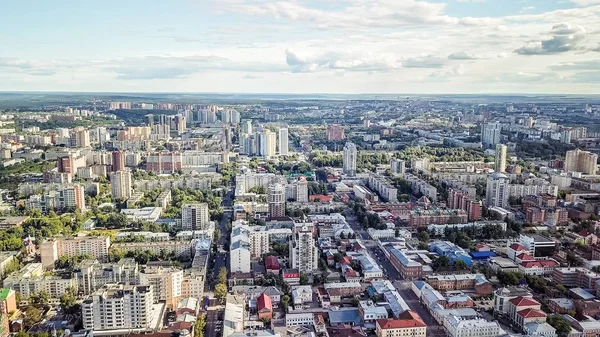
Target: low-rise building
{"x": 408, "y": 324}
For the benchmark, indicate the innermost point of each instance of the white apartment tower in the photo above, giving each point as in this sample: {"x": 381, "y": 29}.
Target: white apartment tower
{"x": 276, "y": 198}
{"x": 500, "y": 163}
{"x": 194, "y": 216}
{"x": 268, "y": 143}
{"x": 118, "y": 306}
{"x": 304, "y": 254}
{"x": 283, "y": 142}
{"x": 490, "y": 134}
{"x": 581, "y": 161}
{"x": 120, "y": 184}
{"x": 497, "y": 190}
{"x": 350, "y": 156}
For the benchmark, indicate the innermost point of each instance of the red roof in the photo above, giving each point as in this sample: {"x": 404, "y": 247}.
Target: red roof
{"x": 264, "y": 302}
{"x": 271, "y": 262}
{"x": 521, "y": 301}
{"x": 322, "y": 198}
{"x": 350, "y": 272}
{"x": 525, "y": 257}
{"x": 517, "y": 247}
{"x": 539, "y": 264}
{"x": 530, "y": 313}
{"x": 345, "y": 260}
{"x": 480, "y": 245}
{"x": 406, "y": 320}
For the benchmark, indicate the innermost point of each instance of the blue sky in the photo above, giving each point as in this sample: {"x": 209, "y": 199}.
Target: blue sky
{"x": 302, "y": 46}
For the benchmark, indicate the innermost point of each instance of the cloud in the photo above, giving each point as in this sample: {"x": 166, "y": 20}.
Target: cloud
{"x": 564, "y": 38}
{"x": 172, "y": 67}
{"x": 471, "y": 1}
{"x": 581, "y": 65}
{"x": 462, "y": 56}
{"x": 586, "y": 77}
{"x": 305, "y": 62}
{"x": 252, "y": 77}
{"x": 585, "y": 3}
{"x": 458, "y": 70}
{"x": 424, "y": 61}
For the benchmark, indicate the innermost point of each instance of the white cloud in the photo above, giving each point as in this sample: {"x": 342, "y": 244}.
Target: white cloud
{"x": 306, "y": 62}
{"x": 586, "y": 2}
{"x": 462, "y": 56}
{"x": 564, "y": 37}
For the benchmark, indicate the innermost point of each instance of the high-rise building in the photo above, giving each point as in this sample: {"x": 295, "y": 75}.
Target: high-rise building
{"x": 195, "y": 216}
{"x": 398, "y": 167}
{"x": 235, "y": 117}
{"x": 165, "y": 282}
{"x": 80, "y": 137}
{"x": 118, "y": 306}
{"x": 268, "y": 143}
{"x": 283, "y": 141}
{"x": 276, "y": 198}
{"x": 490, "y": 134}
{"x": 500, "y": 163}
{"x": 118, "y": 161}
{"x": 581, "y": 161}
{"x": 120, "y": 184}
{"x": 180, "y": 123}
{"x": 302, "y": 190}
{"x": 304, "y": 254}
{"x": 335, "y": 132}
{"x": 150, "y": 120}
{"x": 246, "y": 127}
{"x": 350, "y": 156}
{"x": 226, "y": 116}
{"x": 497, "y": 190}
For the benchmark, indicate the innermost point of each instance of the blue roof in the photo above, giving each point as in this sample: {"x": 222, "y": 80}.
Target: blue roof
{"x": 482, "y": 255}
{"x": 345, "y": 315}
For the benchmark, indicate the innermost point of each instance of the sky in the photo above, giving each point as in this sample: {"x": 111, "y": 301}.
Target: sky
{"x": 302, "y": 46}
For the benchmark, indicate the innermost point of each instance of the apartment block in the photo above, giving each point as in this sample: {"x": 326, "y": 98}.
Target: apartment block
{"x": 52, "y": 249}
{"x": 165, "y": 282}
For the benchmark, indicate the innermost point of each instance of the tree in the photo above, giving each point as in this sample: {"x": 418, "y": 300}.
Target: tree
{"x": 32, "y": 315}
{"x": 68, "y": 303}
{"x": 460, "y": 264}
{"x": 21, "y": 334}
{"x": 510, "y": 277}
{"x": 221, "y": 292}
{"x": 562, "y": 326}
{"x": 200, "y": 326}
{"x": 355, "y": 301}
{"x": 40, "y": 299}
{"x": 222, "y": 275}
{"x": 424, "y": 236}
{"x": 285, "y": 302}
{"x": 303, "y": 279}
{"x": 441, "y": 262}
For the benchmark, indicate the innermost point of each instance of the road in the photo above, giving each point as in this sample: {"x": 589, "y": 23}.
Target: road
{"x": 214, "y": 322}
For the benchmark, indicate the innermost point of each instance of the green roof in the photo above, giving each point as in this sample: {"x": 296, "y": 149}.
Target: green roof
{"x": 4, "y": 293}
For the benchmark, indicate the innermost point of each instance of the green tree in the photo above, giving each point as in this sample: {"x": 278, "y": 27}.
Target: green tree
{"x": 200, "y": 326}
{"x": 562, "y": 326}
{"x": 460, "y": 264}
{"x": 68, "y": 303}
{"x": 424, "y": 236}
{"x": 32, "y": 316}
{"x": 223, "y": 275}
{"x": 40, "y": 298}
{"x": 221, "y": 292}
{"x": 303, "y": 279}
{"x": 285, "y": 303}
{"x": 21, "y": 334}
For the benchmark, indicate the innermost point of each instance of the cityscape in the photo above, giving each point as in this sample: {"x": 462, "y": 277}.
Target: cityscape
{"x": 300, "y": 168}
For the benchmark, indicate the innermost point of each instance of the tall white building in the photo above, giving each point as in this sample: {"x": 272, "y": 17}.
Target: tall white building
{"x": 120, "y": 184}
{"x": 304, "y": 254}
{"x": 239, "y": 256}
{"x": 490, "y": 134}
{"x": 283, "y": 141}
{"x": 268, "y": 143}
{"x": 195, "y": 216}
{"x": 497, "y": 190}
{"x": 581, "y": 161}
{"x": 297, "y": 190}
{"x": 165, "y": 282}
{"x": 118, "y": 306}
{"x": 350, "y": 157}
{"x": 398, "y": 167}
{"x": 276, "y": 198}
{"x": 246, "y": 127}
{"x": 500, "y": 163}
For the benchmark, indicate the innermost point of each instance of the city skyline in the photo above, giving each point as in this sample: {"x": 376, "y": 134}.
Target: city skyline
{"x": 260, "y": 46}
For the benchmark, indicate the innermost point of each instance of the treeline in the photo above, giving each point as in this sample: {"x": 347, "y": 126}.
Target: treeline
{"x": 440, "y": 153}
{"x": 463, "y": 237}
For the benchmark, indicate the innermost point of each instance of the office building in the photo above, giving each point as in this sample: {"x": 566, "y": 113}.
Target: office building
{"x": 165, "y": 282}
{"x": 335, "y": 132}
{"x": 490, "y": 134}
{"x": 500, "y": 162}
{"x": 195, "y": 216}
{"x": 117, "y": 307}
{"x": 120, "y": 184}
{"x": 118, "y": 161}
{"x": 283, "y": 141}
{"x": 497, "y": 190}
{"x": 304, "y": 254}
{"x": 350, "y": 157}
{"x": 581, "y": 161}
{"x": 276, "y": 199}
